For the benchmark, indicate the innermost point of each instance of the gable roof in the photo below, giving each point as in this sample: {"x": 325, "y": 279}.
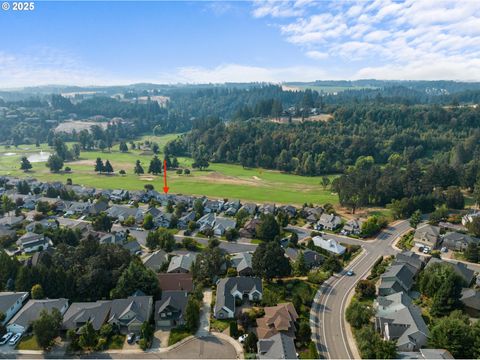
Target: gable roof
{"x": 471, "y": 298}
{"x": 460, "y": 268}
{"x": 183, "y": 261}
{"x": 171, "y": 300}
{"x": 8, "y": 299}
{"x": 169, "y": 282}
{"x": 279, "y": 346}
{"x": 81, "y": 312}
{"x": 226, "y": 286}
{"x": 139, "y": 305}
{"x": 427, "y": 233}
{"x": 242, "y": 261}
{"x": 330, "y": 245}
{"x": 280, "y": 318}
{"x": 155, "y": 259}
{"x": 31, "y": 310}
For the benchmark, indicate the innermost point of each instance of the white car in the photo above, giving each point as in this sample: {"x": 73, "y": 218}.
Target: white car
{"x": 5, "y": 338}
{"x": 14, "y": 340}
{"x": 426, "y": 250}
{"x": 242, "y": 338}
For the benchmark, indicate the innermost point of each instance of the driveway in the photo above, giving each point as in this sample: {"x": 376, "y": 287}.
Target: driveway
{"x": 160, "y": 339}
{"x": 204, "y": 328}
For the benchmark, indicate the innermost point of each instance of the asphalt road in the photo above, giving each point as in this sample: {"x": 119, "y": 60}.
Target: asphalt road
{"x": 327, "y": 315}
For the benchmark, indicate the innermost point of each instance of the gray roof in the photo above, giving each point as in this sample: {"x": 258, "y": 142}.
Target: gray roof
{"x": 405, "y": 323}
{"x": 31, "y": 310}
{"x": 427, "y": 233}
{"x": 132, "y": 246}
{"x": 436, "y": 354}
{"x": 242, "y": 261}
{"x": 226, "y": 286}
{"x": 171, "y": 299}
{"x": 139, "y": 305}
{"x": 456, "y": 237}
{"x": 471, "y": 298}
{"x": 279, "y": 346}
{"x": 80, "y": 313}
{"x": 409, "y": 257}
{"x": 402, "y": 273}
{"x": 155, "y": 259}
{"x": 116, "y": 211}
{"x": 8, "y": 299}
{"x": 29, "y": 237}
{"x": 181, "y": 262}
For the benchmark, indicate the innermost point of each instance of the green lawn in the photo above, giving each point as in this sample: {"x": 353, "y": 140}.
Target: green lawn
{"x": 28, "y": 343}
{"x": 218, "y": 181}
{"x": 178, "y": 334}
{"x": 219, "y": 325}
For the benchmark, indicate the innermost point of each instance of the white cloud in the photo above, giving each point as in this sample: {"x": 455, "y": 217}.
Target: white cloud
{"x": 47, "y": 66}
{"x": 383, "y": 38}
{"x": 242, "y": 73}
{"x": 315, "y": 54}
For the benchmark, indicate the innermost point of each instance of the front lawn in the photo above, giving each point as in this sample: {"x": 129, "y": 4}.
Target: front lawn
{"x": 178, "y": 334}
{"x": 219, "y": 325}
{"x": 406, "y": 242}
{"x": 28, "y": 343}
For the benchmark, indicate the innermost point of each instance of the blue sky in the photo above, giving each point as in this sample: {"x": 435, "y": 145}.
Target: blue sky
{"x": 97, "y": 43}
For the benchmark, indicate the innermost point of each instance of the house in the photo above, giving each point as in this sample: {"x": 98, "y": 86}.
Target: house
{"x": 11, "y": 221}
{"x": 163, "y": 220}
{"x": 129, "y": 314}
{"x": 398, "y": 319}
{"x": 78, "y": 314}
{"x": 414, "y": 261}
{"x": 328, "y": 222}
{"x": 213, "y": 206}
{"x": 396, "y": 278}
{"x": 31, "y": 242}
{"x": 122, "y": 212}
{"x": 232, "y": 207}
{"x": 181, "y": 263}
{"x": 249, "y": 229}
{"x": 427, "y": 236}
{"x": 250, "y": 208}
{"x": 222, "y": 225}
{"x": 43, "y": 224}
{"x": 207, "y": 221}
{"x": 230, "y": 289}
{"x": 6, "y": 232}
{"x": 312, "y": 258}
{"x": 331, "y": 245}
{"x": 312, "y": 214}
{"x": 471, "y": 301}
{"x": 458, "y": 242}
{"x": 267, "y": 209}
{"x": 98, "y": 207}
{"x": 289, "y": 210}
{"x": 22, "y": 320}
{"x": 460, "y": 268}
{"x": 435, "y": 354}
{"x": 114, "y": 238}
{"x": 77, "y": 207}
{"x": 175, "y": 281}
{"x": 279, "y": 346}
{"x": 469, "y": 217}
{"x": 155, "y": 260}
{"x": 185, "y": 220}
{"x": 119, "y": 195}
{"x": 281, "y": 318}
{"x": 133, "y": 247}
{"x": 170, "y": 309}
{"x": 242, "y": 262}
{"x": 10, "y": 303}
{"x": 353, "y": 226}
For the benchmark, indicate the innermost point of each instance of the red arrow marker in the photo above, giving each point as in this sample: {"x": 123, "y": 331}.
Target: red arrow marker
{"x": 165, "y": 187}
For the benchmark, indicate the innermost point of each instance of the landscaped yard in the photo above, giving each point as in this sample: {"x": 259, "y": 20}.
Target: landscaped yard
{"x": 219, "y": 325}
{"x": 116, "y": 342}
{"x": 28, "y": 343}
{"x": 178, "y": 334}
{"x": 218, "y": 181}
{"x": 406, "y": 241}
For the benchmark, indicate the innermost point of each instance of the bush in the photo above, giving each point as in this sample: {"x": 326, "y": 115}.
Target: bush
{"x": 180, "y": 171}
{"x": 358, "y": 314}
{"x": 365, "y": 289}
{"x": 318, "y": 276}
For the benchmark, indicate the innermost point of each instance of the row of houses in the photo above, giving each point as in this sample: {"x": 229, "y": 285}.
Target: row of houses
{"x": 431, "y": 237}
{"x": 396, "y": 316}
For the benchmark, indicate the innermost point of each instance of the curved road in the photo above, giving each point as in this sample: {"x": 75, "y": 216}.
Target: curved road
{"x": 327, "y": 314}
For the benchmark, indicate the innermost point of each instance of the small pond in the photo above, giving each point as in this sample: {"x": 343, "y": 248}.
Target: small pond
{"x": 41, "y": 156}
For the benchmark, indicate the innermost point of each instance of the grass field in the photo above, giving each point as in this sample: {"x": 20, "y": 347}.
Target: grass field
{"x": 28, "y": 343}
{"x": 218, "y": 181}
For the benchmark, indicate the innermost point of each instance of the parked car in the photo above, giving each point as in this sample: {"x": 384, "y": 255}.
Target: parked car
{"x": 242, "y": 338}
{"x": 426, "y": 250}
{"x": 444, "y": 249}
{"x": 5, "y": 338}
{"x": 131, "y": 338}
{"x": 14, "y": 340}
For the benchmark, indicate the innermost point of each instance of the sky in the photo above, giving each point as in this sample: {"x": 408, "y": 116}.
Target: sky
{"x": 120, "y": 42}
